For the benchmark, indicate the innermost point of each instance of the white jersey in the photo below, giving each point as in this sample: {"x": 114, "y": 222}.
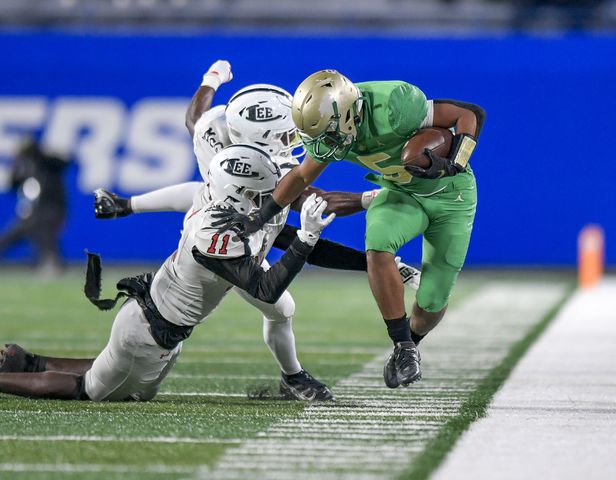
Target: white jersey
{"x": 184, "y": 291}
{"x": 211, "y": 136}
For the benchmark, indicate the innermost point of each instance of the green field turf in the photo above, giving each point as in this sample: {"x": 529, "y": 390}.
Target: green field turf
{"x": 204, "y": 425}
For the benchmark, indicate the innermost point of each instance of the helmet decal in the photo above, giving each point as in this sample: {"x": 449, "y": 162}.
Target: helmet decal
{"x": 259, "y": 113}
{"x": 238, "y": 168}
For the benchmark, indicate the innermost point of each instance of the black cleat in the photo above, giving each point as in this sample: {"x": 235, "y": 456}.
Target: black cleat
{"x": 303, "y": 386}
{"x": 14, "y": 359}
{"x": 402, "y": 366}
{"x": 389, "y": 373}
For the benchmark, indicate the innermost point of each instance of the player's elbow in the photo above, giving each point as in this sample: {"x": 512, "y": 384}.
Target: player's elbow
{"x": 267, "y": 296}
{"x": 190, "y": 122}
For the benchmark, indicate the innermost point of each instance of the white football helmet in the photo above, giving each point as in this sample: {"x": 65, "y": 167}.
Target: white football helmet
{"x": 260, "y": 114}
{"x": 243, "y": 176}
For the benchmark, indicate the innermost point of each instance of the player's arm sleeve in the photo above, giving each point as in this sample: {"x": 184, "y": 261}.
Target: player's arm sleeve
{"x": 326, "y": 254}
{"x": 244, "y": 272}
{"x": 429, "y": 120}
{"x": 480, "y": 113}
{"x": 176, "y": 198}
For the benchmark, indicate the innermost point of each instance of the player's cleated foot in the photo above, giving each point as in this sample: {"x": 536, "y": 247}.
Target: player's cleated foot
{"x": 389, "y": 372}
{"x": 303, "y": 386}
{"x": 402, "y": 366}
{"x": 14, "y": 359}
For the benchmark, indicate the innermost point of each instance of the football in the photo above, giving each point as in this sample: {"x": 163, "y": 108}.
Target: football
{"x": 433, "y": 138}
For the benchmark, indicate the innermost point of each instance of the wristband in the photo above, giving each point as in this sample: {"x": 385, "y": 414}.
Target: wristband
{"x": 368, "y": 197}
{"x": 307, "y": 237}
{"x": 463, "y": 146}
{"x": 211, "y": 80}
{"x": 269, "y": 209}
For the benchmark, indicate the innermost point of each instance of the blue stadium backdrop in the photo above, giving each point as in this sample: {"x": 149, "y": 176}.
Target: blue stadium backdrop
{"x": 115, "y": 104}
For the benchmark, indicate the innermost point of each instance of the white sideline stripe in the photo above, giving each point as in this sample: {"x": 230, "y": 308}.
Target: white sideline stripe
{"x": 91, "y": 468}
{"x": 112, "y": 438}
{"x": 350, "y": 440}
{"x": 557, "y": 407}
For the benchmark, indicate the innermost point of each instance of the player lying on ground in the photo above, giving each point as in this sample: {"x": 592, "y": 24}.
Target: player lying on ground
{"x": 258, "y": 114}
{"x": 162, "y": 309}
{"x": 369, "y": 124}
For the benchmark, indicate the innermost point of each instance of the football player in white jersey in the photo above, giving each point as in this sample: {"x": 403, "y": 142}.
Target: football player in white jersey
{"x": 260, "y": 115}
{"x": 162, "y": 309}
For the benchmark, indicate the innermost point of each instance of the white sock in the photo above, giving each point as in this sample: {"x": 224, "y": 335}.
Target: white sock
{"x": 279, "y": 337}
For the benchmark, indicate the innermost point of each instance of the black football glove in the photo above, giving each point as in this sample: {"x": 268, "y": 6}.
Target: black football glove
{"x": 237, "y": 222}
{"x": 244, "y": 225}
{"x": 461, "y": 149}
{"x": 109, "y": 205}
{"x": 440, "y": 167}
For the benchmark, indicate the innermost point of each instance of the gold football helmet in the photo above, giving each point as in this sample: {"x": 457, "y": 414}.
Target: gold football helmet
{"x": 326, "y": 110}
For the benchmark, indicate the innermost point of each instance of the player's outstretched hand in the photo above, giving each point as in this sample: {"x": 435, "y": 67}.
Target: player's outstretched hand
{"x": 312, "y": 220}
{"x": 440, "y": 167}
{"x": 219, "y": 73}
{"x": 243, "y": 225}
{"x": 109, "y": 205}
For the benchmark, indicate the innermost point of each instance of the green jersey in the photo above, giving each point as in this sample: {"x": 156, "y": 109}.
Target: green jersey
{"x": 392, "y": 112}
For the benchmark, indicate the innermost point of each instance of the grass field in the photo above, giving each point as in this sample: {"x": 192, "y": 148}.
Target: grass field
{"x": 203, "y": 425}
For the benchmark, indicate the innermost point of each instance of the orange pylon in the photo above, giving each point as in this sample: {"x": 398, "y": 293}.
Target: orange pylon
{"x": 591, "y": 255}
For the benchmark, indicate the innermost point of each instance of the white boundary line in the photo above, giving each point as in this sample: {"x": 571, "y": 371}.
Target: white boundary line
{"x": 555, "y": 416}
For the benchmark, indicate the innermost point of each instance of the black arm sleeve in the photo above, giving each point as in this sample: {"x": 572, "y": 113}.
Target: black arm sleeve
{"x": 326, "y": 254}
{"x": 479, "y": 112}
{"x": 246, "y": 273}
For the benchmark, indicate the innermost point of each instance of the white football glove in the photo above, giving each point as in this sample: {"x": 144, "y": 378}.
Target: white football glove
{"x": 368, "y": 197}
{"x": 410, "y": 275}
{"x": 219, "y": 73}
{"x": 312, "y": 221}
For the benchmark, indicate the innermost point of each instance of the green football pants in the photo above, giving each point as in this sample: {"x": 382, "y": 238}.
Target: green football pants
{"x": 445, "y": 219}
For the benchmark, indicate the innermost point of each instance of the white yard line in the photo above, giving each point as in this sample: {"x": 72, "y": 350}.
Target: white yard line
{"x": 555, "y": 417}
{"x": 113, "y": 438}
{"x": 372, "y": 432}
{"x": 90, "y": 468}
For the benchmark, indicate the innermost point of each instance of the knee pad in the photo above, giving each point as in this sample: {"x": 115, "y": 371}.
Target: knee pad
{"x": 283, "y": 310}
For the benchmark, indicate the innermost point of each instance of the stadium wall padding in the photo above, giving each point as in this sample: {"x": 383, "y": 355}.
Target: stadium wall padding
{"x": 115, "y": 102}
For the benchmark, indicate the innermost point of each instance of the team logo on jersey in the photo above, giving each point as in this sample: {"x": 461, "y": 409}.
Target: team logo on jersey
{"x": 210, "y": 138}
{"x": 258, "y": 113}
{"x": 238, "y": 168}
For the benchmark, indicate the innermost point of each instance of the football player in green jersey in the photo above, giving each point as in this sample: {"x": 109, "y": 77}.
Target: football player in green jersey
{"x": 369, "y": 124}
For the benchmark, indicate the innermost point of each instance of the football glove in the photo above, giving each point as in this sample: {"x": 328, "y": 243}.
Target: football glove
{"x": 312, "y": 221}
{"x": 410, "y": 275}
{"x": 219, "y": 73}
{"x": 461, "y": 149}
{"x": 109, "y": 205}
{"x": 245, "y": 225}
